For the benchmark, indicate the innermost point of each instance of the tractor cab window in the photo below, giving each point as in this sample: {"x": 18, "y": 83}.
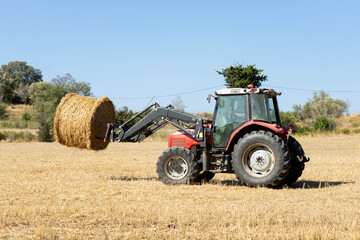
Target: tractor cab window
{"x": 272, "y": 110}
{"x": 229, "y": 115}
{"x": 262, "y": 108}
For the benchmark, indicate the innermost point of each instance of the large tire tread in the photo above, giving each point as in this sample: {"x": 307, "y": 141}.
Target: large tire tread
{"x": 283, "y": 152}
{"x": 193, "y": 165}
{"x": 297, "y": 167}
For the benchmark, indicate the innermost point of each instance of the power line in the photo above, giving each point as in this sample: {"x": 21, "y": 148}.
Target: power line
{"x": 222, "y": 85}
{"x": 168, "y": 95}
{"x": 314, "y": 90}
{"x": 149, "y": 102}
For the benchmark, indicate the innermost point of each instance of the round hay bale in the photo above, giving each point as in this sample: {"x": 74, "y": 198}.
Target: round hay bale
{"x": 81, "y": 121}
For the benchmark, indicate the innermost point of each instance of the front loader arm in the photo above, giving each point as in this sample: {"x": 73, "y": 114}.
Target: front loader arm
{"x": 153, "y": 121}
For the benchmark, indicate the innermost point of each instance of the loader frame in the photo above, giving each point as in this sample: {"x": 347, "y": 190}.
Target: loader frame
{"x": 157, "y": 118}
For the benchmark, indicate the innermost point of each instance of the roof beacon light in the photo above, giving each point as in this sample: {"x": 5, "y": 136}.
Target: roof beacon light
{"x": 251, "y": 86}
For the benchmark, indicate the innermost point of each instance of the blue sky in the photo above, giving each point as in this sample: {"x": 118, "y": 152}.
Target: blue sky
{"x": 131, "y": 51}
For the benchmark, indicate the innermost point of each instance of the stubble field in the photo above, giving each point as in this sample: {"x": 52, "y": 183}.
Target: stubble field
{"x": 48, "y": 191}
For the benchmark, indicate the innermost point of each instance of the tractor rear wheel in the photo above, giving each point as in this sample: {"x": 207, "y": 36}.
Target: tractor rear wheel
{"x": 261, "y": 159}
{"x": 297, "y": 166}
{"x": 177, "y": 165}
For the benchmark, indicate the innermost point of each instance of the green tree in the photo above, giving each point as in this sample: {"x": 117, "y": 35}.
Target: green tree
{"x": 321, "y": 105}
{"x": 45, "y": 97}
{"x": 239, "y": 76}
{"x": 68, "y": 83}
{"x": 123, "y": 114}
{"x": 1, "y": 91}
{"x": 12, "y": 75}
{"x": 23, "y": 92}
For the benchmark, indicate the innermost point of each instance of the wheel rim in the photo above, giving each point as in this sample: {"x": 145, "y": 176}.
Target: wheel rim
{"x": 258, "y": 160}
{"x": 176, "y": 168}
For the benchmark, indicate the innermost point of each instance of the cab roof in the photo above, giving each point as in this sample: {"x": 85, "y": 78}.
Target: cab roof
{"x": 241, "y": 91}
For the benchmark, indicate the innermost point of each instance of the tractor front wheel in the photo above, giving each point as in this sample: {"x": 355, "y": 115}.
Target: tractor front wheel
{"x": 177, "y": 165}
{"x": 261, "y": 159}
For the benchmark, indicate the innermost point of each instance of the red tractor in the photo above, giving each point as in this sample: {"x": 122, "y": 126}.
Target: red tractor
{"x": 245, "y": 137}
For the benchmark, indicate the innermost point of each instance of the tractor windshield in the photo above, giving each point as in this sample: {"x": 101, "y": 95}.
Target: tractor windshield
{"x": 263, "y": 108}
{"x": 230, "y": 114}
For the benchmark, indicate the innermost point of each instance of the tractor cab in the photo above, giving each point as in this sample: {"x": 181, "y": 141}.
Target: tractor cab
{"x": 237, "y": 107}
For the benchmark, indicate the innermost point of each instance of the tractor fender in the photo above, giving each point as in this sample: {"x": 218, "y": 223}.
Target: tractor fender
{"x": 254, "y": 126}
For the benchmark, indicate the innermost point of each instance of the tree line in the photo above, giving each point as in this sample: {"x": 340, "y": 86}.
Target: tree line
{"x": 21, "y": 83}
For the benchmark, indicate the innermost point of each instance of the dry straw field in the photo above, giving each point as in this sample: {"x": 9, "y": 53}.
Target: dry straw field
{"x": 49, "y": 191}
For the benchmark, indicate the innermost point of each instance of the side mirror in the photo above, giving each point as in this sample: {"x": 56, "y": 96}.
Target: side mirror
{"x": 209, "y": 98}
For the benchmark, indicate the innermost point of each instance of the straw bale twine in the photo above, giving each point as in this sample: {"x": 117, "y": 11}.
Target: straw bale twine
{"x": 81, "y": 121}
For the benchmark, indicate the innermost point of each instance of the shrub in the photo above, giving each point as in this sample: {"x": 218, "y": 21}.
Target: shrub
{"x": 2, "y": 136}
{"x": 323, "y": 123}
{"x": 26, "y": 116}
{"x": 288, "y": 118}
{"x": 44, "y": 132}
{"x": 15, "y": 124}
{"x": 28, "y": 136}
{"x": 12, "y": 136}
{"x": 17, "y": 136}
{"x": 345, "y": 131}
{"x": 5, "y": 124}
{"x": 337, "y": 131}
{"x": 2, "y": 111}
{"x": 21, "y": 124}
{"x": 356, "y": 130}
{"x": 305, "y": 130}
{"x": 32, "y": 124}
